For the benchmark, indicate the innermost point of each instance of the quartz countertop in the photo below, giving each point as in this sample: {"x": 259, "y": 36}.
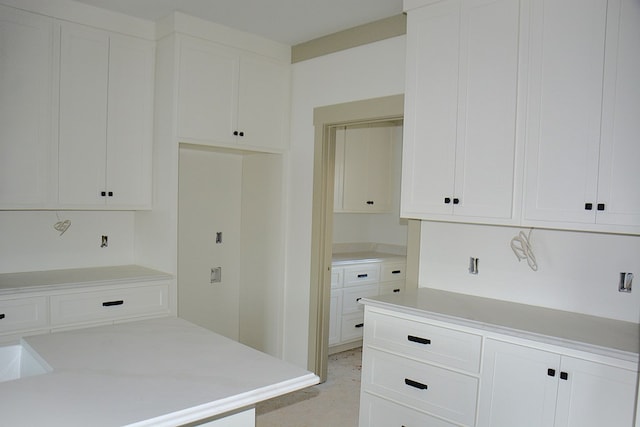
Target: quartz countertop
{"x": 51, "y": 279}
{"x": 574, "y": 330}
{"x": 367, "y": 256}
{"x": 158, "y": 372}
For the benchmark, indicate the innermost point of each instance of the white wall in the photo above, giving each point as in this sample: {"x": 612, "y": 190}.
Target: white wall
{"x": 28, "y": 241}
{"x": 364, "y": 72}
{"x": 576, "y": 271}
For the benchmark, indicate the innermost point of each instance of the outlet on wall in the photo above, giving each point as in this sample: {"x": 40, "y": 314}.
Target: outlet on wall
{"x": 626, "y": 279}
{"x": 104, "y": 242}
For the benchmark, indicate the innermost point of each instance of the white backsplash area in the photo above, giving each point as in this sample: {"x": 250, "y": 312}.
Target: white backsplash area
{"x": 577, "y": 271}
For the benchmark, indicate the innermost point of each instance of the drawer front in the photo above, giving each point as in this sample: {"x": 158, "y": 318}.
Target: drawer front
{"x": 443, "y": 393}
{"x": 361, "y": 274}
{"x": 391, "y": 288}
{"x": 108, "y": 304}
{"x": 433, "y": 344}
{"x": 352, "y": 327}
{"x": 376, "y": 412}
{"x": 337, "y": 277}
{"x": 23, "y": 314}
{"x": 393, "y": 271}
{"x": 351, "y": 296}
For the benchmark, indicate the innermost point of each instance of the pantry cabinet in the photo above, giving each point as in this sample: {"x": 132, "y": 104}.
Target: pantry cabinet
{"x": 526, "y": 386}
{"x": 27, "y": 153}
{"x": 461, "y": 144}
{"x": 582, "y": 143}
{"x": 231, "y": 98}
{"x": 106, "y": 119}
{"x": 364, "y": 169}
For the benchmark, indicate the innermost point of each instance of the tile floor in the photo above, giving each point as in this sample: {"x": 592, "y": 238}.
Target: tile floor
{"x": 333, "y": 403}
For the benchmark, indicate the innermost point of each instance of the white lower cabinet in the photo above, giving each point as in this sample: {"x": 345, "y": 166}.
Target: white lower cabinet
{"x": 377, "y": 412}
{"x": 529, "y": 387}
{"x": 23, "y": 314}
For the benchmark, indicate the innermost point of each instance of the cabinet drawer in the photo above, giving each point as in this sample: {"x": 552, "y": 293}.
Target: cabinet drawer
{"x": 376, "y": 412}
{"x": 108, "y": 304}
{"x": 337, "y": 277}
{"x": 425, "y": 387}
{"x": 23, "y": 313}
{"x": 391, "y": 288}
{"x": 351, "y": 296}
{"x": 361, "y": 274}
{"x": 393, "y": 271}
{"x": 433, "y": 344}
{"x": 352, "y": 327}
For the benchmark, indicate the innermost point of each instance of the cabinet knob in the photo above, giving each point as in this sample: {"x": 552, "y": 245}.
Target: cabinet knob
{"x": 241, "y": 133}
{"x": 110, "y": 193}
{"x": 456, "y": 201}
{"x": 588, "y": 206}
{"x": 103, "y": 193}
{"x": 1, "y": 316}
{"x": 564, "y": 376}
{"x": 447, "y": 200}
{"x": 601, "y": 206}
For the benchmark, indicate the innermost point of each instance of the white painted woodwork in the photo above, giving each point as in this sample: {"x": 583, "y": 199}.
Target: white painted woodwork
{"x": 242, "y": 419}
{"x": 335, "y": 316}
{"x": 582, "y": 137}
{"x": 223, "y": 92}
{"x": 518, "y": 389}
{"x": 377, "y": 412}
{"x": 26, "y": 109}
{"x": 460, "y": 139}
{"x": 363, "y": 178}
{"x": 106, "y": 100}
{"x": 23, "y": 314}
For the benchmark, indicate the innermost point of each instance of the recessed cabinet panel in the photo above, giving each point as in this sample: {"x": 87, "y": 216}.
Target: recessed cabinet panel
{"x": 26, "y": 109}
{"x": 23, "y": 314}
{"x": 376, "y": 412}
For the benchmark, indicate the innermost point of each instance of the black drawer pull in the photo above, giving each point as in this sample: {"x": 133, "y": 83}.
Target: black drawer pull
{"x": 396, "y": 290}
{"x": 396, "y": 272}
{"x": 1, "y": 316}
{"x": 112, "y": 303}
{"x": 362, "y": 276}
{"x": 359, "y": 325}
{"x": 415, "y": 384}
{"x": 419, "y": 340}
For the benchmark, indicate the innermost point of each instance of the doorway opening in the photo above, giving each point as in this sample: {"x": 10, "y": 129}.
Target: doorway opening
{"x": 326, "y": 120}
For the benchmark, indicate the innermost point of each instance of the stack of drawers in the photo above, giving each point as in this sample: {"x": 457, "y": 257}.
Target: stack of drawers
{"x": 417, "y": 373}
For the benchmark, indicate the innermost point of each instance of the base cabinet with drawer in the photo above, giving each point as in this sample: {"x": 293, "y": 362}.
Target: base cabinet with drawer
{"x": 349, "y": 284}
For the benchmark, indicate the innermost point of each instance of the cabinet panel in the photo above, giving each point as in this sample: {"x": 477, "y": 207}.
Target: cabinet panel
{"x": 26, "y": 108}
{"x": 352, "y": 327}
{"x": 376, "y": 412}
{"x": 335, "y": 316}
{"x": 351, "y": 296}
{"x": 84, "y": 69}
{"x": 435, "y": 390}
{"x": 393, "y": 271}
{"x": 23, "y": 314}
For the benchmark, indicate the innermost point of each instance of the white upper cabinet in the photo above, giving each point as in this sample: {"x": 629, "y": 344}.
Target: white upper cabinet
{"x": 26, "y": 109}
{"x": 582, "y": 147}
{"x": 364, "y": 167}
{"x": 106, "y": 119}
{"x": 231, "y": 98}
{"x": 461, "y": 142}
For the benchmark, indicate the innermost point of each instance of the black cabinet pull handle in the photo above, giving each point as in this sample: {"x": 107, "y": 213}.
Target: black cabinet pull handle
{"x": 359, "y": 325}
{"x": 588, "y": 206}
{"x": 358, "y": 299}
{"x": 551, "y": 372}
{"x": 1, "y": 316}
{"x": 564, "y": 376}
{"x": 447, "y": 200}
{"x": 396, "y": 272}
{"x": 419, "y": 340}
{"x": 600, "y": 206}
{"x": 396, "y": 290}
{"x": 456, "y": 201}
{"x": 370, "y": 202}
{"x": 415, "y": 384}
{"x": 362, "y": 276}
{"x": 112, "y": 303}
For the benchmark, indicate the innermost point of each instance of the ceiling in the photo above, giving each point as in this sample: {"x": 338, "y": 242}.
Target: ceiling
{"x": 287, "y": 21}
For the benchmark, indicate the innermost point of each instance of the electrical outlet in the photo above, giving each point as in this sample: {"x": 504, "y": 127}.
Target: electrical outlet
{"x": 626, "y": 279}
{"x": 473, "y": 265}
{"x": 216, "y": 275}
{"x": 105, "y": 242}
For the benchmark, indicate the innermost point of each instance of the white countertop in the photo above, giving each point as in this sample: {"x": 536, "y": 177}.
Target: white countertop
{"x": 357, "y": 257}
{"x": 12, "y": 283}
{"x": 159, "y": 372}
{"x": 579, "y": 331}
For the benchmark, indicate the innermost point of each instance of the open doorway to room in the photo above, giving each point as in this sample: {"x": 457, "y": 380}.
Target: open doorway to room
{"x": 328, "y": 120}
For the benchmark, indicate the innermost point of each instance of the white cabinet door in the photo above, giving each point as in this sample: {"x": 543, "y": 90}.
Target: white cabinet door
{"x": 594, "y": 395}
{"x": 226, "y": 98}
{"x": 106, "y": 101}
{"x": 517, "y": 389}
{"x": 84, "y": 76}
{"x": 26, "y": 109}
{"x": 130, "y": 121}
{"x": 460, "y": 142}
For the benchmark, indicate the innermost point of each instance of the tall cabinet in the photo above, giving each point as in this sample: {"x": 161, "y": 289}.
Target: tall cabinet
{"x": 462, "y": 148}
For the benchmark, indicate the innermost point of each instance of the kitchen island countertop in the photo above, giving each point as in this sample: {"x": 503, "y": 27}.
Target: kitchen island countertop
{"x": 158, "y": 372}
